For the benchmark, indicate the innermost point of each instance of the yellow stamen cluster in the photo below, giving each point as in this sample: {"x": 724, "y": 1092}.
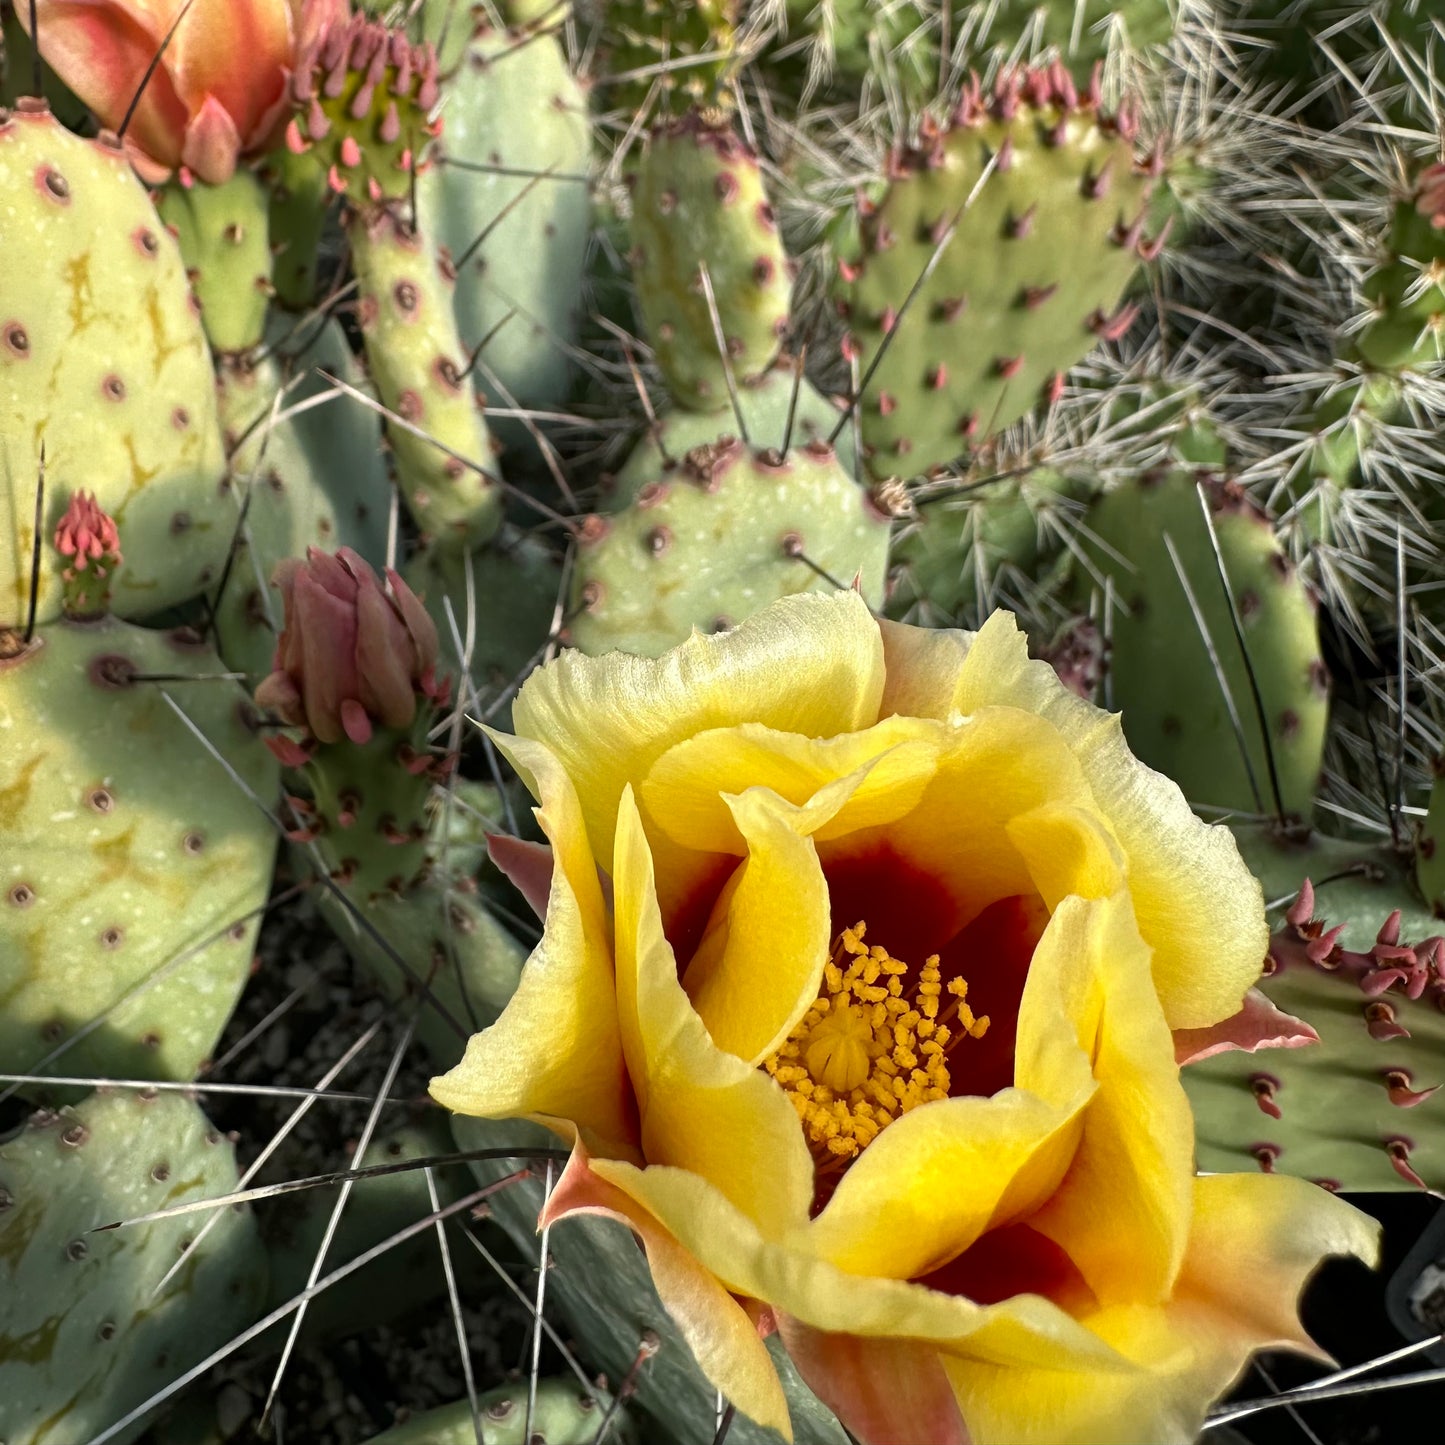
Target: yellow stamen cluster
{"x": 864, "y": 1055}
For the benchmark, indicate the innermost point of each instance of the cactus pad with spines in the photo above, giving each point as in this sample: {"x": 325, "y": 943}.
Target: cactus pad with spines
{"x": 1357, "y": 1109}
{"x": 1047, "y": 203}
{"x": 104, "y": 367}
{"x": 699, "y": 203}
{"x": 83, "y": 1337}
{"x": 418, "y": 365}
{"x": 719, "y": 540}
{"x": 1176, "y": 715}
{"x": 666, "y": 56}
{"x": 563, "y": 1414}
{"x": 135, "y": 870}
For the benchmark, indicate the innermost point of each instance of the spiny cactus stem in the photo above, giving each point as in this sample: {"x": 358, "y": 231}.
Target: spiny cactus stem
{"x": 322, "y": 876}
{"x": 39, "y": 516}
{"x": 722, "y": 350}
{"x": 396, "y": 420}
{"x": 544, "y": 445}
{"x": 520, "y": 173}
{"x": 793, "y": 548}
{"x": 1235, "y": 722}
{"x": 929, "y": 267}
{"x": 145, "y": 80}
{"x": 1238, "y": 625}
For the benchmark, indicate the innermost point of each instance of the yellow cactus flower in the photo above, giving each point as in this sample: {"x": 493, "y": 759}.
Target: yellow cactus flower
{"x": 869, "y": 1032}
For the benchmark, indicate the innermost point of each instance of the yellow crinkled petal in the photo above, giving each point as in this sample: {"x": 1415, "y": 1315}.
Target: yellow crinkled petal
{"x": 809, "y": 664}
{"x": 1026, "y": 1329}
{"x": 760, "y": 963}
{"x": 1198, "y": 906}
{"x": 702, "y": 1109}
{"x": 997, "y": 765}
{"x": 933, "y": 1181}
{"x": 718, "y": 1331}
{"x": 1068, "y": 850}
{"x": 555, "y": 1053}
{"x": 1122, "y": 1212}
{"x": 1254, "y": 1240}
{"x": 922, "y": 665}
{"x": 892, "y": 763}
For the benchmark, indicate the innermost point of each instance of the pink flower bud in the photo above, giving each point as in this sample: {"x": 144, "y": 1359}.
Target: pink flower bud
{"x": 86, "y": 537}
{"x": 352, "y": 654}
{"x": 220, "y": 90}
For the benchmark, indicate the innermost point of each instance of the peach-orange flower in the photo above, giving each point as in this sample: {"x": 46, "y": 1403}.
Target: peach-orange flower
{"x": 871, "y": 1031}
{"x": 220, "y": 90}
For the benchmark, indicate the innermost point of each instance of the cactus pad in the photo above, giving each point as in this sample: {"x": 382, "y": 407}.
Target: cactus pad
{"x": 1047, "y": 205}
{"x": 104, "y": 367}
{"x": 564, "y": 1414}
{"x": 699, "y": 202}
{"x": 83, "y": 1340}
{"x": 1176, "y": 715}
{"x": 721, "y": 540}
{"x": 133, "y": 866}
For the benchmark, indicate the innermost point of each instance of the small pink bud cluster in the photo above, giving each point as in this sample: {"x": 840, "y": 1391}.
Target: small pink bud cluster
{"x": 1430, "y": 194}
{"x": 88, "y": 539}
{"x": 353, "y": 655}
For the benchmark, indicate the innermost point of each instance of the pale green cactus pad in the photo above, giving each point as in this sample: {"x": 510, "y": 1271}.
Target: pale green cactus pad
{"x": 134, "y": 870}
{"x": 104, "y": 368}
{"x": 563, "y": 1413}
{"x": 83, "y": 1337}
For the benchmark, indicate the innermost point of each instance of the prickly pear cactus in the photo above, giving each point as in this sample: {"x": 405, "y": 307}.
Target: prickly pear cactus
{"x": 1175, "y": 704}
{"x": 225, "y": 238}
{"x": 84, "y": 1339}
{"x": 507, "y": 196}
{"x": 104, "y": 369}
{"x": 316, "y": 478}
{"x": 701, "y": 217}
{"x": 730, "y": 532}
{"x": 134, "y": 872}
{"x": 1357, "y": 1109}
{"x": 563, "y": 1414}
{"x": 1034, "y": 202}
{"x": 1430, "y": 847}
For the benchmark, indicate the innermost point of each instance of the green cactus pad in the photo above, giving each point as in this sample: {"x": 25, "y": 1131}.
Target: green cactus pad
{"x": 103, "y": 365}
{"x": 764, "y": 402}
{"x": 518, "y": 241}
{"x": 363, "y": 96}
{"x": 724, "y": 538}
{"x": 134, "y": 869}
{"x": 225, "y": 238}
{"x": 1082, "y": 30}
{"x": 684, "y": 53}
{"x": 674, "y": 1401}
{"x": 563, "y": 1414}
{"x": 83, "y": 1338}
{"x": 1176, "y": 715}
{"x": 699, "y": 202}
{"x": 949, "y": 560}
{"x": 418, "y": 364}
{"x": 1048, "y": 201}
{"x": 315, "y": 479}
{"x": 1347, "y": 1110}
{"x": 1430, "y": 849}
{"x": 516, "y": 584}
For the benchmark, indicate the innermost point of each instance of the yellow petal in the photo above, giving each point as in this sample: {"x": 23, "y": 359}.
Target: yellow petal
{"x": 890, "y": 765}
{"x": 1068, "y": 850}
{"x": 932, "y": 1182}
{"x": 1122, "y": 1212}
{"x": 1026, "y": 1329}
{"x": 1198, "y": 906}
{"x": 810, "y": 664}
{"x": 555, "y": 1054}
{"x": 760, "y": 963}
{"x": 1255, "y": 1239}
{"x": 702, "y": 1109}
{"x": 718, "y": 1331}
{"x": 922, "y": 666}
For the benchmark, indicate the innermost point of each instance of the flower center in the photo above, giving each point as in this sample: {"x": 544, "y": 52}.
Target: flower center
{"x": 864, "y": 1054}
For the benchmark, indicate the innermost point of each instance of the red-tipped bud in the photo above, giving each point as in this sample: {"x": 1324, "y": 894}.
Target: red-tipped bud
{"x": 86, "y": 537}
{"x": 353, "y": 654}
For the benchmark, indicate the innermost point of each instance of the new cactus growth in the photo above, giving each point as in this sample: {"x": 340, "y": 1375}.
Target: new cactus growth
{"x": 562, "y": 1413}
{"x": 1023, "y": 218}
{"x": 87, "y": 539}
{"x": 105, "y": 377}
{"x": 711, "y": 272}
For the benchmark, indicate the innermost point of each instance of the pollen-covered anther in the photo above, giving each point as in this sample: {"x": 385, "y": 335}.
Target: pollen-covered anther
{"x": 864, "y": 1054}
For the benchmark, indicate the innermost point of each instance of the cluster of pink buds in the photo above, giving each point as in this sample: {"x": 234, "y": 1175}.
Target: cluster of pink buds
{"x": 352, "y": 655}
{"x": 1430, "y": 194}
{"x": 1387, "y": 965}
{"x": 87, "y": 538}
